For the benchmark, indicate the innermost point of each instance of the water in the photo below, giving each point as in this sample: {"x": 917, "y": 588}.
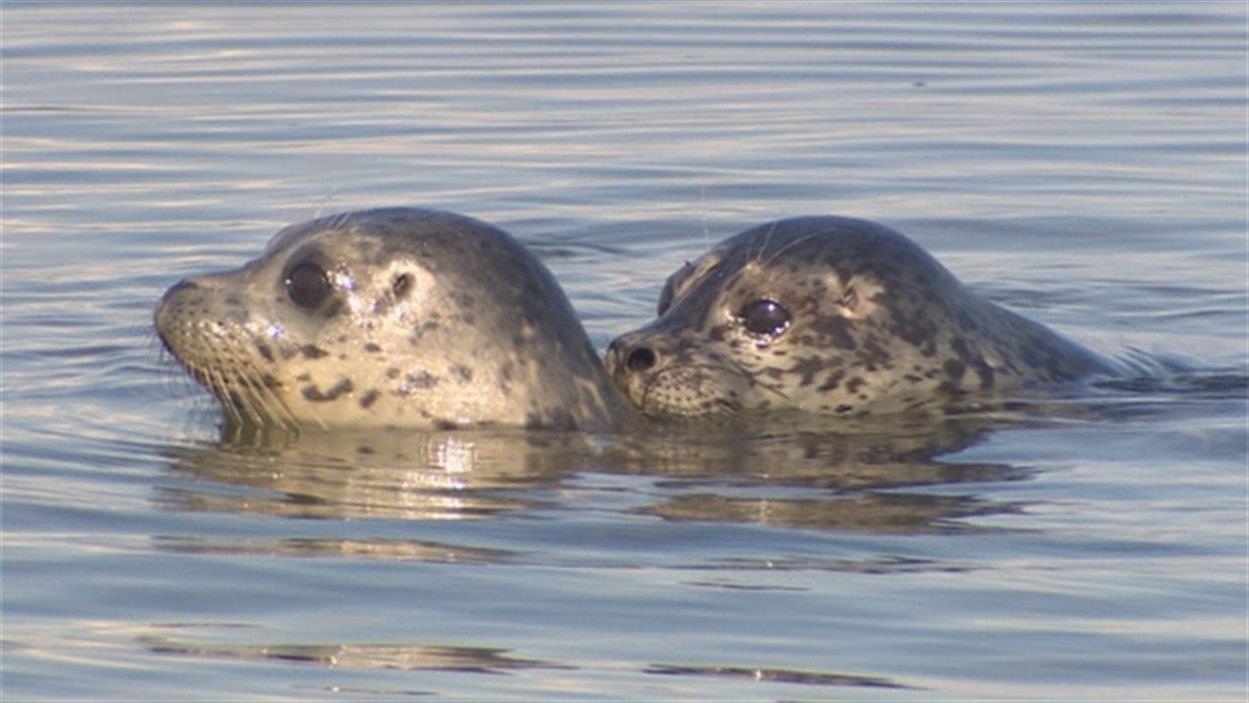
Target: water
{"x": 1081, "y": 163}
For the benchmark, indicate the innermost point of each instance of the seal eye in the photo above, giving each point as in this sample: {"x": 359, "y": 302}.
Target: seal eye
{"x": 307, "y": 286}
{"x": 764, "y": 318}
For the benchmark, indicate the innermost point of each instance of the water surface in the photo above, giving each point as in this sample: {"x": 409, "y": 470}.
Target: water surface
{"x": 1083, "y": 164}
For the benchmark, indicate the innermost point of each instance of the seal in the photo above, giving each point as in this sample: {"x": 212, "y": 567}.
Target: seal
{"x": 394, "y": 318}
{"x": 835, "y": 316}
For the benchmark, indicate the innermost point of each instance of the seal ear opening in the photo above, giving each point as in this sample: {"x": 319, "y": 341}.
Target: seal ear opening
{"x": 401, "y": 286}
{"x": 849, "y": 298}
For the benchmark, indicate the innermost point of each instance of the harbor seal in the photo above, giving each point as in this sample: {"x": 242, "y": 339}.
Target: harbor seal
{"x": 835, "y": 316}
{"x": 395, "y": 318}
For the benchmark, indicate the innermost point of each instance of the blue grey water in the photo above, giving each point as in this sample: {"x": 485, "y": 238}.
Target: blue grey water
{"x": 1082, "y": 163}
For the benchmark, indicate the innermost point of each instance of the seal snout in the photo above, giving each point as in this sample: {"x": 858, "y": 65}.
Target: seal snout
{"x": 628, "y": 360}
{"x": 167, "y": 305}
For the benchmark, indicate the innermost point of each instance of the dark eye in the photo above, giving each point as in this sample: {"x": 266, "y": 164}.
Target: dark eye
{"x": 764, "y": 318}
{"x": 307, "y": 286}
{"x": 401, "y": 286}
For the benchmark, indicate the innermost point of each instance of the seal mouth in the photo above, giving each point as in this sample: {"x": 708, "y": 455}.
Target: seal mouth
{"x": 248, "y": 396}
{"x": 697, "y": 391}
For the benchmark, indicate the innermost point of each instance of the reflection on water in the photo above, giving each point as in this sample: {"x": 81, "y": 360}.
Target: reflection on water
{"x": 388, "y": 549}
{"x": 870, "y": 512}
{"x": 409, "y": 475}
{"x": 359, "y": 656}
{"x": 806, "y": 678}
{"x": 479, "y": 660}
{"x": 794, "y": 479}
{"x": 1080, "y": 162}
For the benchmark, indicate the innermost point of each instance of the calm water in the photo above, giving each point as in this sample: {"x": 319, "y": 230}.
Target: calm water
{"x": 1084, "y": 164}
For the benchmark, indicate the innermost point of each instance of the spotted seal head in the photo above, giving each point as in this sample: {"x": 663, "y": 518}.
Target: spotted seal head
{"x": 829, "y": 315}
{"x": 395, "y": 317}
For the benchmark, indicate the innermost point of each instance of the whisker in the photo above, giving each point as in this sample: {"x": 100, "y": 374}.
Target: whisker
{"x": 219, "y": 389}
{"x": 767, "y": 239}
{"x": 280, "y": 413}
{"x": 251, "y": 385}
{"x": 790, "y": 244}
{"x": 742, "y": 370}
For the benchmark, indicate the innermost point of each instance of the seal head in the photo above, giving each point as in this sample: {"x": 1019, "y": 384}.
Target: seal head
{"x": 395, "y": 317}
{"x": 829, "y": 315}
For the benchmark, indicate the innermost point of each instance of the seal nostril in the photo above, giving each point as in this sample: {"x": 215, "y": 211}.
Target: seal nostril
{"x": 640, "y": 359}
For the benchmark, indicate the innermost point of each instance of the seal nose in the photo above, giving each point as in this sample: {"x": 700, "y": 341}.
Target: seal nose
{"x": 633, "y": 357}
{"x": 640, "y": 359}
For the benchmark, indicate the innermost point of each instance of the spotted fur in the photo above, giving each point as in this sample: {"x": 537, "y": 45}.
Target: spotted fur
{"x": 424, "y": 319}
{"x": 876, "y": 325}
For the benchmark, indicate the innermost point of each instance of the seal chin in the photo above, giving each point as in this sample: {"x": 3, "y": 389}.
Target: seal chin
{"x": 701, "y": 392}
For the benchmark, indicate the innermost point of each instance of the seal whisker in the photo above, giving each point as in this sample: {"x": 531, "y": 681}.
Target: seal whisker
{"x": 793, "y": 243}
{"x": 217, "y": 384}
{"x": 247, "y": 400}
{"x": 269, "y": 400}
{"x": 263, "y": 398}
{"x": 767, "y": 239}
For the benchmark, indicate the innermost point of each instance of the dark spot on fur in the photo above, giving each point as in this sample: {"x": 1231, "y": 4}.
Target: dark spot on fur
{"x": 808, "y": 368}
{"x": 959, "y": 345}
{"x": 831, "y": 382}
{"x": 985, "y": 372}
{"x": 852, "y": 386}
{"x": 392, "y": 373}
{"x": 423, "y": 380}
{"x": 371, "y": 347}
{"x": 311, "y": 351}
{"x": 304, "y": 377}
{"x": 954, "y": 369}
{"x": 463, "y": 372}
{"x": 265, "y": 351}
{"x": 369, "y": 398}
{"x": 835, "y": 330}
{"x": 315, "y": 395}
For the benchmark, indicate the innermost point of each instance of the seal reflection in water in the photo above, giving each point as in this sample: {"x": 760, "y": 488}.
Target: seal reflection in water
{"x": 834, "y": 316}
{"x": 396, "y": 317}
